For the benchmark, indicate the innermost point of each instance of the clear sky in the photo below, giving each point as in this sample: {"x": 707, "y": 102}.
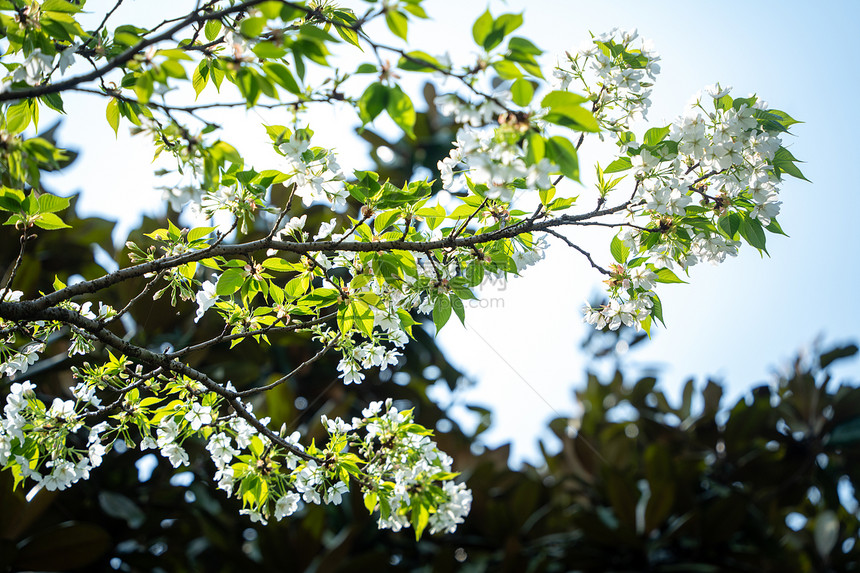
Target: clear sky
{"x": 734, "y": 322}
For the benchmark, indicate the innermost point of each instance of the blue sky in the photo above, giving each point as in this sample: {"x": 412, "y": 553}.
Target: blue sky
{"x": 734, "y": 322}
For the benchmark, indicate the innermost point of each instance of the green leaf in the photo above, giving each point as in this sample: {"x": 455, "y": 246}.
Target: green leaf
{"x": 562, "y": 153}
{"x": 54, "y": 101}
{"x": 774, "y": 227}
{"x": 401, "y": 110}
{"x": 619, "y": 165}
{"x": 50, "y": 222}
{"x": 253, "y": 27}
{"x": 667, "y": 276}
{"x": 420, "y": 517}
{"x": 412, "y": 62}
{"x": 199, "y": 233}
{"x": 361, "y": 315}
{"x": 783, "y": 160}
{"x": 349, "y": 35}
{"x": 30, "y": 204}
{"x": 278, "y": 264}
{"x": 502, "y": 26}
{"x": 112, "y": 113}
{"x": 655, "y": 135}
{"x": 457, "y": 306}
{"x": 385, "y": 219}
{"x": 565, "y": 110}
{"x": 397, "y": 23}
{"x": 211, "y": 29}
{"x": 546, "y": 195}
{"x": 60, "y": 6}
{"x": 524, "y": 46}
{"x": 619, "y": 250}
{"x": 845, "y": 434}
{"x": 522, "y": 92}
{"x": 231, "y": 281}
{"x": 372, "y": 102}
{"x": 200, "y": 77}
{"x": 10, "y": 199}
{"x": 752, "y": 231}
{"x": 657, "y": 309}
{"x": 730, "y": 223}
{"x": 441, "y": 312}
{"x": 297, "y": 286}
{"x": 18, "y": 117}
{"x": 482, "y": 27}
{"x": 51, "y": 203}
{"x": 268, "y": 51}
{"x": 560, "y": 98}
{"x": 535, "y": 147}
{"x": 282, "y": 76}
{"x": 370, "y": 501}
{"x": 270, "y": 9}
{"x": 507, "y": 70}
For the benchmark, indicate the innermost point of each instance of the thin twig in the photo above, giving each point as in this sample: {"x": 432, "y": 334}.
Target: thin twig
{"x": 295, "y": 371}
{"x": 578, "y": 248}
{"x": 23, "y": 240}
{"x": 101, "y": 26}
{"x": 142, "y": 293}
{"x": 224, "y": 337}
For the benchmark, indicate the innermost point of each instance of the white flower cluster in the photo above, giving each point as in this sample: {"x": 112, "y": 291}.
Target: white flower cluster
{"x": 617, "y": 72}
{"x": 63, "y": 465}
{"x": 37, "y": 66}
{"x": 20, "y": 360}
{"x": 400, "y": 464}
{"x": 409, "y": 461}
{"x": 494, "y": 161}
{"x": 724, "y": 158}
{"x": 315, "y": 173}
{"x": 629, "y": 313}
{"x": 467, "y": 113}
{"x": 714, "y": 160}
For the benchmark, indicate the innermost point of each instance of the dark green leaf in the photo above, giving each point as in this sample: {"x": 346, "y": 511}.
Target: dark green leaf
{"x": 441, "y": 311}
{"x": 730, "y": 223}
{"x": 282, "y": 76}
{"x": 752, "y": 231}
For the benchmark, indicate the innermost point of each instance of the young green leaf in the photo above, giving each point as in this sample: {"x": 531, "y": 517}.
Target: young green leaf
{"x": 441, "y": 311}
{"x": 561, "y": 152}
{"x": 112, "y": 113}
{"x": 401, "y": 110}
{"x": 372, "y": 102}
{"x": 619, "y": 250}
{"x": 522, "y": 92}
